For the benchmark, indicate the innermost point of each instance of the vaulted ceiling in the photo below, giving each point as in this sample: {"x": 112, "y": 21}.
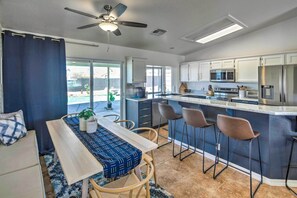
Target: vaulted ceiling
{"x": 178, "y": 17}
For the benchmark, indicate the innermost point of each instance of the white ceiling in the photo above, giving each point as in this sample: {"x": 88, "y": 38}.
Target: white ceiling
{"x": 178, "y": 17}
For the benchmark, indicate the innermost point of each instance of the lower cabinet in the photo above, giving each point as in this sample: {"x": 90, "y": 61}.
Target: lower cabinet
{"x": 139, "y": 112}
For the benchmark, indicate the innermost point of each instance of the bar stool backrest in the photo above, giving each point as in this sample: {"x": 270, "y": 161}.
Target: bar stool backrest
{"x": 167, "y": 111}
{"x": 194, "y": 117}
{"x": 237, "y": 128}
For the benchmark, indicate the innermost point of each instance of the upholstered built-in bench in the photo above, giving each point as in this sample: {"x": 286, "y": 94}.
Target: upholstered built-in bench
{"x": 20, "y": 171}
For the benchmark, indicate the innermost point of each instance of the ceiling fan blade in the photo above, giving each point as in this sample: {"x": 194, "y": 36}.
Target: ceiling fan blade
{"x": 81, "y": 13}
{"x": 117, "y": 32}
{"x": 132, "y": 24}
{"x": 117, "y": 11}
{"x": 88, "y": 26}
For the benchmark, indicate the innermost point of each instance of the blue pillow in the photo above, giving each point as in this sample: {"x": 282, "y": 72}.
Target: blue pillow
{"x": 12, "y": 129}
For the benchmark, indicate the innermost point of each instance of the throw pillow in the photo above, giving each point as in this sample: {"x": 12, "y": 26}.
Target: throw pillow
{"x": 12, "y": 129}
{"x": 8, "y": 115}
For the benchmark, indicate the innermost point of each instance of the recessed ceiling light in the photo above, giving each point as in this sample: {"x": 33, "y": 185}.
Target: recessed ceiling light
{"x": 219, "y": 34}
{"x": 171, "y": 48}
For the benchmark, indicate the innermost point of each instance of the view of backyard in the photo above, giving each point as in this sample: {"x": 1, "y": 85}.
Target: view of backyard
{"x": 106, "y": 87}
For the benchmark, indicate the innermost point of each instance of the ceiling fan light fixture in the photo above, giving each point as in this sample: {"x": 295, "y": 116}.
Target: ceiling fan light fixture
{"x": 107, "y": 26}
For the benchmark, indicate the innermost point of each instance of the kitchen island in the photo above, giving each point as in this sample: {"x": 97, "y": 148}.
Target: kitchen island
{"x": 273, "y": 122}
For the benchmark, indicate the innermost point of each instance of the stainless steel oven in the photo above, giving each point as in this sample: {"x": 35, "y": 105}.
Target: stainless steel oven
{"x": 222, "y": 75}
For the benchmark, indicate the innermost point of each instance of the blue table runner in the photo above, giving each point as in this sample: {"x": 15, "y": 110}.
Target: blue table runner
{"x": 117, "y": 156}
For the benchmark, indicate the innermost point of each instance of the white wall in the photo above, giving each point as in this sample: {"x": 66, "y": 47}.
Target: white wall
{"x": 277, "y": 38}
{"x": 117, "y": 53}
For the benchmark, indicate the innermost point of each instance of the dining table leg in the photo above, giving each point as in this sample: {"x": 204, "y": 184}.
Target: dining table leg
{"x": 84, "y": 188}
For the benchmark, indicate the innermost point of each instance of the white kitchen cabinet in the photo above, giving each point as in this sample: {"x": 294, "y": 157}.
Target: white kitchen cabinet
{"x": 222, "y": 64}
{"x": 216, "y": 64}
{"x": 136, "y": 70}
{"x": 247, "y": 69}
{"x": 271, "y": 60}
{"x": 228, "y": 64}
{"x": 184, "y": 72}
{"x": 193, "y": 71}
{"x": 204, "y": 71}
{"x": 291, "y": 58}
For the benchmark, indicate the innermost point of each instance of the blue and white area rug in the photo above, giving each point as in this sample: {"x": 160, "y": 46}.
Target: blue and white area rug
{"x": 62, "y": 190}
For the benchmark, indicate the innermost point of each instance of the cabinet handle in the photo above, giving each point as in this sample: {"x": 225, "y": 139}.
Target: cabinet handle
{"x": 144, "y": 123}
{"x": 144, "y": 116}
{"x": 144, "y": 109}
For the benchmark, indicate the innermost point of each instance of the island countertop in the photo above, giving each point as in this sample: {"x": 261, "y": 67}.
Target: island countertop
{"x": 264, "y": 109}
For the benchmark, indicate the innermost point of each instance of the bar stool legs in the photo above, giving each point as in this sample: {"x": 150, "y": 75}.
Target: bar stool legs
{"x": 195, "y": 146}
{"x": 188, "y": 148}
{"x": 252, "y": 193}
{"x": 289, "y": 166}
{"x": 169, "y": 134}
{"x": 203, "y": 158}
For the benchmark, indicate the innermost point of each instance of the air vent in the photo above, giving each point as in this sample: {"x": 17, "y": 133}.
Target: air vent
{"x": 158, "y": 32}
{"x": 212, "y": 28}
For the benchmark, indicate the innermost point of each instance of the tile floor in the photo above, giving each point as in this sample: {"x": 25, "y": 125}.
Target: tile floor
{"x": 185, "y": 179}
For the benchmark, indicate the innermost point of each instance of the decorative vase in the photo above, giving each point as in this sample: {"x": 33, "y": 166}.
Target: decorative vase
{"x": 82, "y": 124}
{"x": 91, "y": 126}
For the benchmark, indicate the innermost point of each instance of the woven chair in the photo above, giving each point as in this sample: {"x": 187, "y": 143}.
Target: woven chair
{"x": 70, "y": 115}
{"x": 152, "y": 136}
{"x": 115, "y": 117}
{"x": 128, "y": 186}
{"x": 128, "y": 124}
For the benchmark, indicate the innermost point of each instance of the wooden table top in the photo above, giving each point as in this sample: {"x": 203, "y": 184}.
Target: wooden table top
{"x": 76, "y": 160}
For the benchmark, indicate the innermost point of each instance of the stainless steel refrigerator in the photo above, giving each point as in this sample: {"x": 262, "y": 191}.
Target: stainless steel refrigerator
{"x": 278, "y": 85}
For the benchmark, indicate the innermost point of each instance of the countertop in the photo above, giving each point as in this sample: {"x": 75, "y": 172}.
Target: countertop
{"x": 264, "y": 109}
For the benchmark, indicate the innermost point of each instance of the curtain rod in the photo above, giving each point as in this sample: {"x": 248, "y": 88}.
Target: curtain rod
{"x": 53, "y": 39}
{"x": 78, "y": 43}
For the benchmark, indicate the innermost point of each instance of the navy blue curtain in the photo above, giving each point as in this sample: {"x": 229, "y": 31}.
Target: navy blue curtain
{"x": 34, "y": 80}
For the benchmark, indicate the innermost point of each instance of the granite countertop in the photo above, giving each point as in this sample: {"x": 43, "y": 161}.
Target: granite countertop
{"x": 264, "y": 109}
{"x": 247, "y": 99}
{"x": 149, "y": 97}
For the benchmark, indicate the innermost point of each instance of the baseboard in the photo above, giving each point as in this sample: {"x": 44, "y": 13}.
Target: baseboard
{"x": 256, "y": 176}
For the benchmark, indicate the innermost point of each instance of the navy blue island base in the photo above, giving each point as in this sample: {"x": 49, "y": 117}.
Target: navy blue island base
{"x": 274, "y": 140}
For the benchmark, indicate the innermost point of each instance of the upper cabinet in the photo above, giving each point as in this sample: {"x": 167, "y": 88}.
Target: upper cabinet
{"x": 184, "y": 72}
{"x": 271, "y": 60}
{"x": 194, "y": 71}
{"x": 136, "y": 70}
{"x": 291, "y": 58}
{"x": 204, "y": 71}
{"x": 247, "y": 69}
{"x": 222, "y": 64}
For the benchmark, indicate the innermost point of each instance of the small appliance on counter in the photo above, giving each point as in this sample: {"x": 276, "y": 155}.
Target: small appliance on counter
{"x": 242, "y": 92}
{"x": 139, "y": 92}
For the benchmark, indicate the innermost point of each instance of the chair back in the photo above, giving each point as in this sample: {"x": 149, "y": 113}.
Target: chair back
{"x": 167, "y": 111}
{"x": 128, "y": 124}
{"x": 237, "y": 128}
{"x": 70, "y": 115}
{"x": 153, "y": 134}
{"x": 194, "y": 117}
{"x": 131, "y": 187}
{"x": 114, "y": 117}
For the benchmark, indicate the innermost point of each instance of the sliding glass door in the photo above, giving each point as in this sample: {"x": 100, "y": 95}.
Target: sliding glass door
{"x": 94, "y": 84}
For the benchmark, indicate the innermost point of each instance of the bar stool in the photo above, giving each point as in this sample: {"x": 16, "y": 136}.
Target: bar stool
{"x": 168, "y": 113}
{"x": 196, "y": 119}
{"x": 239, "y": 129}
{"x": 294, "y": 138}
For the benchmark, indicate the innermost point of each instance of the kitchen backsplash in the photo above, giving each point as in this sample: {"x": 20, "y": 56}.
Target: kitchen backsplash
{"x": 202, "y": 87}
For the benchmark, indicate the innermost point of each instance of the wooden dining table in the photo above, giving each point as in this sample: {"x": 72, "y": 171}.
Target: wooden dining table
{"x": 77, "y": 163}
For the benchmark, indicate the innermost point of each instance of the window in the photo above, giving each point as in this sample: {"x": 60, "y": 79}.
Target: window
{"x": 158, "y": 79}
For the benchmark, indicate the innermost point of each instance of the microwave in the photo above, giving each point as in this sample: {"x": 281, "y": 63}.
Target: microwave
{"x": 222, "y": 75}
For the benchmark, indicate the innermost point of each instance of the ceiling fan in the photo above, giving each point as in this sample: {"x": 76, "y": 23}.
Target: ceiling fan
{"x": 109, "y": 21}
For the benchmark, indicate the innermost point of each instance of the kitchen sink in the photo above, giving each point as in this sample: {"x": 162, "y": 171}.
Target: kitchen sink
{"x": 195, "y": 96}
